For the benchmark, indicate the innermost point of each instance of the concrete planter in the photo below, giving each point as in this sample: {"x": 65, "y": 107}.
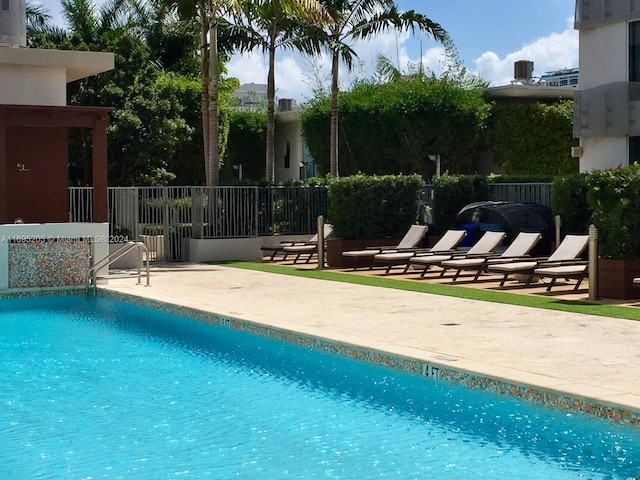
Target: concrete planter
{"x": 337, "y": 246}
{"x": 128, "y": 260}
{"x": 155, "y": 244}
{"x": 615, "y": 278}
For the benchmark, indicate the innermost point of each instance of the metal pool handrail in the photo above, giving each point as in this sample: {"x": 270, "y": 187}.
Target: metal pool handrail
{"x": 91, "y": 274}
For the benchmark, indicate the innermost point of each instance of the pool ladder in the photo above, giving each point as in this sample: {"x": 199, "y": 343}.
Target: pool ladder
{"x": 91, "y": 277}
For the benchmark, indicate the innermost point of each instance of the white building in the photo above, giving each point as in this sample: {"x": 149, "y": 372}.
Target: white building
{"x": 251, "y": 95}
{"x": 607, "y": 103}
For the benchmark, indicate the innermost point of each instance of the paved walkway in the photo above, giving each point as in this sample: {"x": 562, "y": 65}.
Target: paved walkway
{"x": 584, "y": 355}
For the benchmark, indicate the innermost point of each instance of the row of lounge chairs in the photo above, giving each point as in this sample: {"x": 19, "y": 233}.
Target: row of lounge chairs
{"x": 482, "y": 257}
{"x": 513, "y": 262}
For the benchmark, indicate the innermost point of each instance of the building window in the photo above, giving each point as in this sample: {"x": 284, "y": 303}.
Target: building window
{"x": 287, "y": 155}
{"x": 634, "y": 51}
{"x": 634, "y": 150}
{"x": 5, "y": 5}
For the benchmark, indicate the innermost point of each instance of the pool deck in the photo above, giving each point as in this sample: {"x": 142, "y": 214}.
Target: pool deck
{"x": 584, "y": 356}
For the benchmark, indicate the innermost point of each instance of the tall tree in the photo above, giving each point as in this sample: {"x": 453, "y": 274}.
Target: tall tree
{"x": 211, "y": 15}
{"x": 359, "y": 20}
{"x": 273, "y": 24}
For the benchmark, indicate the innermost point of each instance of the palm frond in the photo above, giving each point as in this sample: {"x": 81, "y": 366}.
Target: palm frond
{"x": 38, "y": 17}
{"x": 385, "y": 68}
{"x": 80, "y": 16}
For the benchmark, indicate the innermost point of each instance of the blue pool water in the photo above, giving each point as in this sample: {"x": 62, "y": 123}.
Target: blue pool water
{"x": 99, "y": 389}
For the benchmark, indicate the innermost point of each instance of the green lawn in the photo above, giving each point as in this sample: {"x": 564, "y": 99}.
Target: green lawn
{"x": 550, "y": 303}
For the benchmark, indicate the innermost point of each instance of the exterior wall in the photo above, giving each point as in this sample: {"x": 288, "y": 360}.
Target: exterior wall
{"x": 33, "y": 85}
{"x": 50, "y": 255}
{"x": 603, "y": 152}
{"x": 222, "y": 249}
{"x": 288, "y": 130}
{"x": 604, "y": 108}
{"x": 13, "y": 24}
{"x": 37, "y": 175}
{"x": 32, "y": 76}
{"x": 603, "y": 55}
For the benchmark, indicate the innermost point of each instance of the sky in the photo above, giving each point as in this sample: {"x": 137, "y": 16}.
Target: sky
{"x": 489, "y": 35}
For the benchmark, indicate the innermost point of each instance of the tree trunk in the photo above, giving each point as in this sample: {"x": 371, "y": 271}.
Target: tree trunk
{"x": 213, "y": 177}
{"x": 204, "y": 73}
{"x": 271, "y": 92}
{"x": 333, "y": 142}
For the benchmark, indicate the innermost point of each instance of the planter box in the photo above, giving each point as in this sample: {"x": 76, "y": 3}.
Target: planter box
{"x": 155, "y": 244}
{"x": 337, "y": 246}
{"x": 615, "y": 278}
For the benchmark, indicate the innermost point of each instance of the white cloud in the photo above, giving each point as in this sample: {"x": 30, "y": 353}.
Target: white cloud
{"x": 557, "y": 51}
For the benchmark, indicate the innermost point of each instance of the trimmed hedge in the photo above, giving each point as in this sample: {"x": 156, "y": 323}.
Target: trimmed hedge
{"x": 368, "y": 207}
{"x": 392, "y": 128}
{"x": 614, "y": 198}
{"x": 569, "y": 200}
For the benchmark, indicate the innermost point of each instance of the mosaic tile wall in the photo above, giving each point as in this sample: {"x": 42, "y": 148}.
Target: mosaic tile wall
{"x": 48, "y": 262}
{"x": 433, "y": 371}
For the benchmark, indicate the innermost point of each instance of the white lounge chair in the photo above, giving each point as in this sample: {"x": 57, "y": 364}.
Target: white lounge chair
{"x": 519, "y": 248}
{"x": 410, "y": 241}
{"x": 310, "y": 244}
{"x": 567, "y": 254}
{"x": 575, "y": 271}
{"x": 447, "y": 244}
{"x": 482, "y": 248}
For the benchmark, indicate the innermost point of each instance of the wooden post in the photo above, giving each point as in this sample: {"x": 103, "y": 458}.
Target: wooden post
{"x": 99, "y": 180}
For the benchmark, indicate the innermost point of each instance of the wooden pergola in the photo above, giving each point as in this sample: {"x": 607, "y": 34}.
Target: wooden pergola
{"x": 34, "y": 160}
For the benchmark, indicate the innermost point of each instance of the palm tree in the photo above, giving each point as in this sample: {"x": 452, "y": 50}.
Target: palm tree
{"x": 274, "y": 24}
{"x": 360, "y": 20}
{"x": 271, "y": 25}
{"x": 210, "y": 14}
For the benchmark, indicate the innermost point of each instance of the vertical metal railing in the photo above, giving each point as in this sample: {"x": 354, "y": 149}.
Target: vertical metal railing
{"x": 227, "y": 212}
{"x": 291, "y": 210}
{"x": 80, "y": 204}
{"x": 165, "y": 217}
{"x": 522, "y": 192}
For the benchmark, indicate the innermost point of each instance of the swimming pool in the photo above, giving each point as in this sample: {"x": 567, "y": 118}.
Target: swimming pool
{"x": 95, "y": 388}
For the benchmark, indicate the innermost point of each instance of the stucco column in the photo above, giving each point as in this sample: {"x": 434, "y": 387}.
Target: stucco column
{"x": 99, "y": 157}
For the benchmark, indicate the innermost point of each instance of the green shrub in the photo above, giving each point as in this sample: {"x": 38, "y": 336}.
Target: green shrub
{"x": 451, "y": 193}
{"x": 569, "y": 200}
{"x": 532, "y": 138}
{"x": 614, "y": 199}
{"x": 367, "y": 207}
{"x": 153, "y": 230}
{"x": 392, "y": 128}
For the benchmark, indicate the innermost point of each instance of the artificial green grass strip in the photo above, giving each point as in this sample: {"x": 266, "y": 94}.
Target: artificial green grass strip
{"x": 549, "y": 303}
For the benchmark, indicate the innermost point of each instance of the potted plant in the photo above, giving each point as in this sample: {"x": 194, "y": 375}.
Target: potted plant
{"x": 368, "y": 211}
{"x": 614, "y": 199}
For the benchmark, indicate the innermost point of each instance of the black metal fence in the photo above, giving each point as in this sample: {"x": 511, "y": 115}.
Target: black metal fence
{"x": 164, "y": 217}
